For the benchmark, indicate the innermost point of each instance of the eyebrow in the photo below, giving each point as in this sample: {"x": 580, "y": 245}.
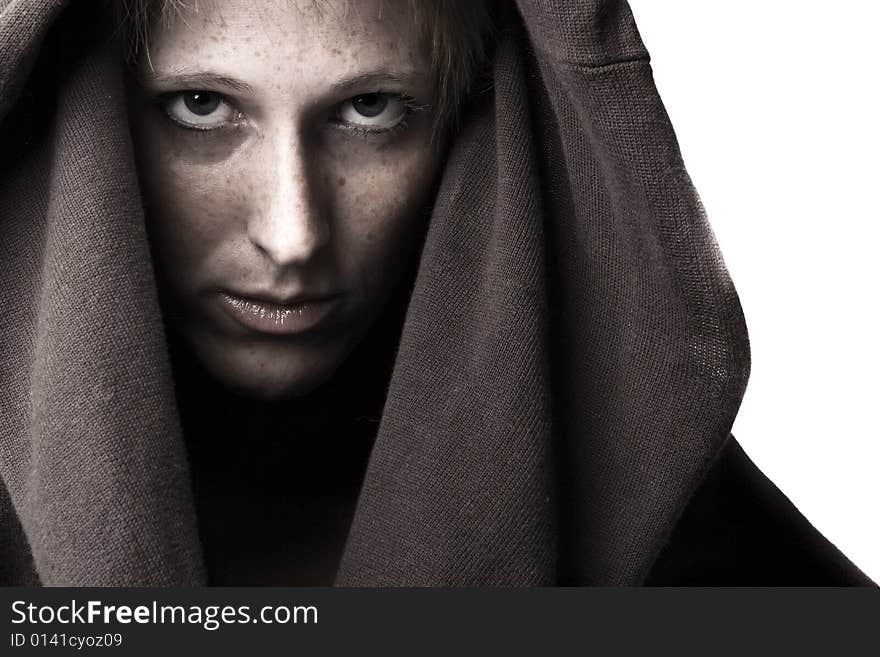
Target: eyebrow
{"x": 202, "y": 79}
{"x": 197, "y": 80}
{"x": 377, "y": 78}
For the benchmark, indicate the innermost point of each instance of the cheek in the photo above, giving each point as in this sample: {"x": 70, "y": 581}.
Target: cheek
{"x": 193, "y": 198}
{"x": 192, "y": 212}
{"x": 379, "y": 212}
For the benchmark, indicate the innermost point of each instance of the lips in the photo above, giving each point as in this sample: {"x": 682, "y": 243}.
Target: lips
{"x": 263, "y": 315}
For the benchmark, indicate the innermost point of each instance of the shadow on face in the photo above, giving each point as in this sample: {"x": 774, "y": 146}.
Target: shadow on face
{"x": 285, "y": 157}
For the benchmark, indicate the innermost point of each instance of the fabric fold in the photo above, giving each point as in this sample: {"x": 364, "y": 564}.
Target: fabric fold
{"x": 92, "y": 455}
{"x": 641, "y": 349}
{"x": 458, "y": 489}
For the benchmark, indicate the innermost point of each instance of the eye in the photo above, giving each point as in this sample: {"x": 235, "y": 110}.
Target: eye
{"x": 375, "y": 112}
{"x": 199, "y": 110}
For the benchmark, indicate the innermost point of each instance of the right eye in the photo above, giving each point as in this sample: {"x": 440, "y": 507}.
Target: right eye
{"x": 199, "y": 110}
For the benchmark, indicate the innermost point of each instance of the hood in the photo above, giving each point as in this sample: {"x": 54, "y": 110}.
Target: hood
{"x": 572, "y": 357}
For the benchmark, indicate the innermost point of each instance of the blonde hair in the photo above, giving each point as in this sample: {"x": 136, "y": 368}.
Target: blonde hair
{"x": 459, "y": 33}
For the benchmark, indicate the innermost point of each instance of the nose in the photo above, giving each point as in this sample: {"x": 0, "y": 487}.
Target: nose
{"x": 286, "y": 222}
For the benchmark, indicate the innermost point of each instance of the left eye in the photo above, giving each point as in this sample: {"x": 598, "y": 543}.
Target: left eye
{"x": 199, "y": 110}
{"x": 375, "y": 112}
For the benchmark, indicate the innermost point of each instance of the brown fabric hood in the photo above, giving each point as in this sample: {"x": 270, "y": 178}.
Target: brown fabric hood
{"x": 572, "y": 358}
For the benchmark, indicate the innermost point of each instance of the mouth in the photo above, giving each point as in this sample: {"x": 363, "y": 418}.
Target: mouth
{"x": 263, "y": 316}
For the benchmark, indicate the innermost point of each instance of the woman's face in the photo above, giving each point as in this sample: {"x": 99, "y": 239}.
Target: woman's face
{"x": 285, "y": 159}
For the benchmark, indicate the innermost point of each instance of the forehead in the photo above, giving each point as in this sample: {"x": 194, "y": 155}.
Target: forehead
{"x": 272, "y": 39}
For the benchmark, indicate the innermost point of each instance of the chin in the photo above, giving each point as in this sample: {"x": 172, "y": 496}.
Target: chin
{"x": 286, "y": 386}
{"x": 273, "y": 372}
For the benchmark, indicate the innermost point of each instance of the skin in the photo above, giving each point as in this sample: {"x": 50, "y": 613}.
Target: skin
{"x": 286, "y": 193}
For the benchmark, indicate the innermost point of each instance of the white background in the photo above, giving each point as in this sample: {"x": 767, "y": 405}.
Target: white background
{"x": 776, "y": 107}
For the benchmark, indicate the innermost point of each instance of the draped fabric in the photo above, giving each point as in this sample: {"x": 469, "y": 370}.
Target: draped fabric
{"x": 572, "y": 356}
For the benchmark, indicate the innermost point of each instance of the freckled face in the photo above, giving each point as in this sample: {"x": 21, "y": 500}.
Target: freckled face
{"x": 284, "y": 155}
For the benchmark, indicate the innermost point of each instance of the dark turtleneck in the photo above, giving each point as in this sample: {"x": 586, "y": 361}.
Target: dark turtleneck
{"x": 276, "y": 483}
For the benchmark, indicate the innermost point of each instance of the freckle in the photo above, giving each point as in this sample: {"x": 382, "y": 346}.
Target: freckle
{"x": 341, "y": 181}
